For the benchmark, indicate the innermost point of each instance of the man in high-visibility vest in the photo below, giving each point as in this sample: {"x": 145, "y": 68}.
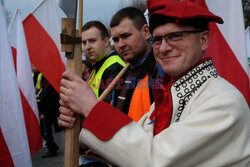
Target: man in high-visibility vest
{"x": 37, "y": 78}
{"x": 108, "y": 64}
{"x": 130, "y": 32}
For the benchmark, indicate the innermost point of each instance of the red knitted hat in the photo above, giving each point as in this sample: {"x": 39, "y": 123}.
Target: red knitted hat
{"x": 182, "y": 10}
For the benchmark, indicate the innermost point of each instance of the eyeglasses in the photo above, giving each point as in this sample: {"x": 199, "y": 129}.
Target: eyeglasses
{"x": 173, "y": 38}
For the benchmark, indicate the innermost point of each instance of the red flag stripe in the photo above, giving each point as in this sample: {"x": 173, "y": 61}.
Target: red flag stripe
{"x": 48, "y": 55}
{"x": 225, "y": 60}
{"x": 32, "y": 126}
{"x": 5, "y": 157}
{"x": 31, "y": 122}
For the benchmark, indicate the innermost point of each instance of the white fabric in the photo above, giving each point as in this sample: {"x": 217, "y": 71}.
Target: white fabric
{"x": 11, "y": 114}
{"x": 233, "y": 28}
{"x": 211, "y": 129}
{"x": 46, "y": 15}
{"x": 146, "y": 14}
{"x": 24, "y": 73}
{"x": 247, "y": 33}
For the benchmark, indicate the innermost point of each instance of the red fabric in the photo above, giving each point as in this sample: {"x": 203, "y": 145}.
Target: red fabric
{"x": 182, "y": 10}
{"x": 226, "y": 63}
{"x": 104, "y": 121}
{"x": 32, "y": 126}
{"x": 5, "y": 157}
{"x": 43, "y": 52}
{"x": 163, "y": 106}
{"x": 14, "y": 56}
{"x": 31, "y": 121}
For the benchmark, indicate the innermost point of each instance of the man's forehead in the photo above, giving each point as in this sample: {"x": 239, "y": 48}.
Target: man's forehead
{"x": 91, "y": 33}
{"x": 170, "y": 27}
{"x": 125, "y": 26}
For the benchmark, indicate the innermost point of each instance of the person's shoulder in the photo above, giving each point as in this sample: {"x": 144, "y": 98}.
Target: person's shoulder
{"x": 220, "y": 92}
{"x": 114, "y": 68}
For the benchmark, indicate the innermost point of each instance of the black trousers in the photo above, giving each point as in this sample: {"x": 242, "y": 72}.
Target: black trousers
{"x": 46, "y": 130}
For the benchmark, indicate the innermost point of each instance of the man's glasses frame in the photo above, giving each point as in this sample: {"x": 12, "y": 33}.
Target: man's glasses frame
{"x": 172, "y": 38}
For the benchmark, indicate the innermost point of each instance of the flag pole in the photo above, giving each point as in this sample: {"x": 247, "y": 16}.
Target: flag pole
{"x": 74, "y": 64}
{"x": 80, "y": 17}
{"x": 113, "y": 83}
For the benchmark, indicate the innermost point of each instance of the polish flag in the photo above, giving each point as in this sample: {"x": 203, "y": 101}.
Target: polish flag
{"x": 228, "y": 45}
{"x": 25, "y": 82}
{"x": 42, "y": 33}
{"x": 14, "y": 147}
{"x": 247, "y": 33}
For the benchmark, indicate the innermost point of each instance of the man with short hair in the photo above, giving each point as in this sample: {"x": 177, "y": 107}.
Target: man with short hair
{"x": 198, "y": 118}
{"x": 86, "y": 69}
{"x": 108, "y": 64}
{"x": 130, "y": 32}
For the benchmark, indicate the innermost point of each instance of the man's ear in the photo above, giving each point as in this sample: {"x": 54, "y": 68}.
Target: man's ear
{"x": 205, "y": 39}
{"x": 145, "y": 31}
{"x": 107, "y": 41}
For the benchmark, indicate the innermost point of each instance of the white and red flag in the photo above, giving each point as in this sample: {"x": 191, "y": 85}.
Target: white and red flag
{"x": 14, "y": 147}
{"x": 247, "y": 33}
{"x": 25, "y": 82}
{"x": 42, "y": 33}
{"x": 228, "y": 45}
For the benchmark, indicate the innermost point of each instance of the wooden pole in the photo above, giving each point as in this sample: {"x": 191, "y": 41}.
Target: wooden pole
{"x": 113, "y": 83}
{"x": 80, "y": 17}
{"x": 71, "y": 156}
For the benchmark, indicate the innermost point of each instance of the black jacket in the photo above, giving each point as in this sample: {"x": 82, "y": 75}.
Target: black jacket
{"x": 110, "y": 73}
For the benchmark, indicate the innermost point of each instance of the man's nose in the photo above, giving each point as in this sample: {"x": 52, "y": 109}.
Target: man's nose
{"x": 121, "y": 43}
{"x": 165, "y": 46}
{"x": 87, "y": 46}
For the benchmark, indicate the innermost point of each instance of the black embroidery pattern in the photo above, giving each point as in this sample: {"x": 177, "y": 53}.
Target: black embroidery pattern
{"x": 191, "y": 82}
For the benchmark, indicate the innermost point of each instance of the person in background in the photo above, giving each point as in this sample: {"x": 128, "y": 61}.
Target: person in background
{"x": 130, "y": 32}
{"x": 86, "y": 69}
{"x": 108, "y": 64}
{"x": 49, "y": 111}
{"x": 198, "y": 118}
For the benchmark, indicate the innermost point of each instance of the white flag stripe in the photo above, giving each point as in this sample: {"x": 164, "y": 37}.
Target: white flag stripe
{"x": 46, "y": 18}
{"x": 11, "y": 114}
{"x": 24, "y": 73}
{"x": 248, "y": 41}
{"x": 233, "y": 28}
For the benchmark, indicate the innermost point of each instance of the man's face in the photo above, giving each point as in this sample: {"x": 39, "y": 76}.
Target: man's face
{"x": 130, "y": 43}
{"x": 85, "y": 71}
{"x": 176, "y": 59}
{"x": 33, "y": 68}
{"x": 94, "y": 45}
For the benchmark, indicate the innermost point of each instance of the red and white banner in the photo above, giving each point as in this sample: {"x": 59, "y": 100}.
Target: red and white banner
{"x": 14, "y": 148}
{"x": 227, "y": 44}
{"x": 42, "y": 33}
{"x": 247, "y": 33}
{"x": 25, "y": 82}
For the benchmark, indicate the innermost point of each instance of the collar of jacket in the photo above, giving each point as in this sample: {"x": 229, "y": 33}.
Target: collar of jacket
{"x": 174, "y": 94}
{"x": 98, "y": 64}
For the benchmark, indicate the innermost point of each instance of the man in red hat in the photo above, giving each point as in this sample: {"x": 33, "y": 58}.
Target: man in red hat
{"x": 198, "y": 118}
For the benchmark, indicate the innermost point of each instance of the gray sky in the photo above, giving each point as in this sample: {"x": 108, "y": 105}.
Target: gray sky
{"x": 101, "y": 10}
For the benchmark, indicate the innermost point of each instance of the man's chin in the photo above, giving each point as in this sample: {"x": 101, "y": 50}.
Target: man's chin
{"x": 126, "y": 58}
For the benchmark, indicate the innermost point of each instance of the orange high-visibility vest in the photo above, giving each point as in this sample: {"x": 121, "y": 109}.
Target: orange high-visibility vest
{"x": 140, "y": 102}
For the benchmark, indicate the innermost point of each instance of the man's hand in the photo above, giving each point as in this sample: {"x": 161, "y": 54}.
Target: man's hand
{"x": 76, "y": 97}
